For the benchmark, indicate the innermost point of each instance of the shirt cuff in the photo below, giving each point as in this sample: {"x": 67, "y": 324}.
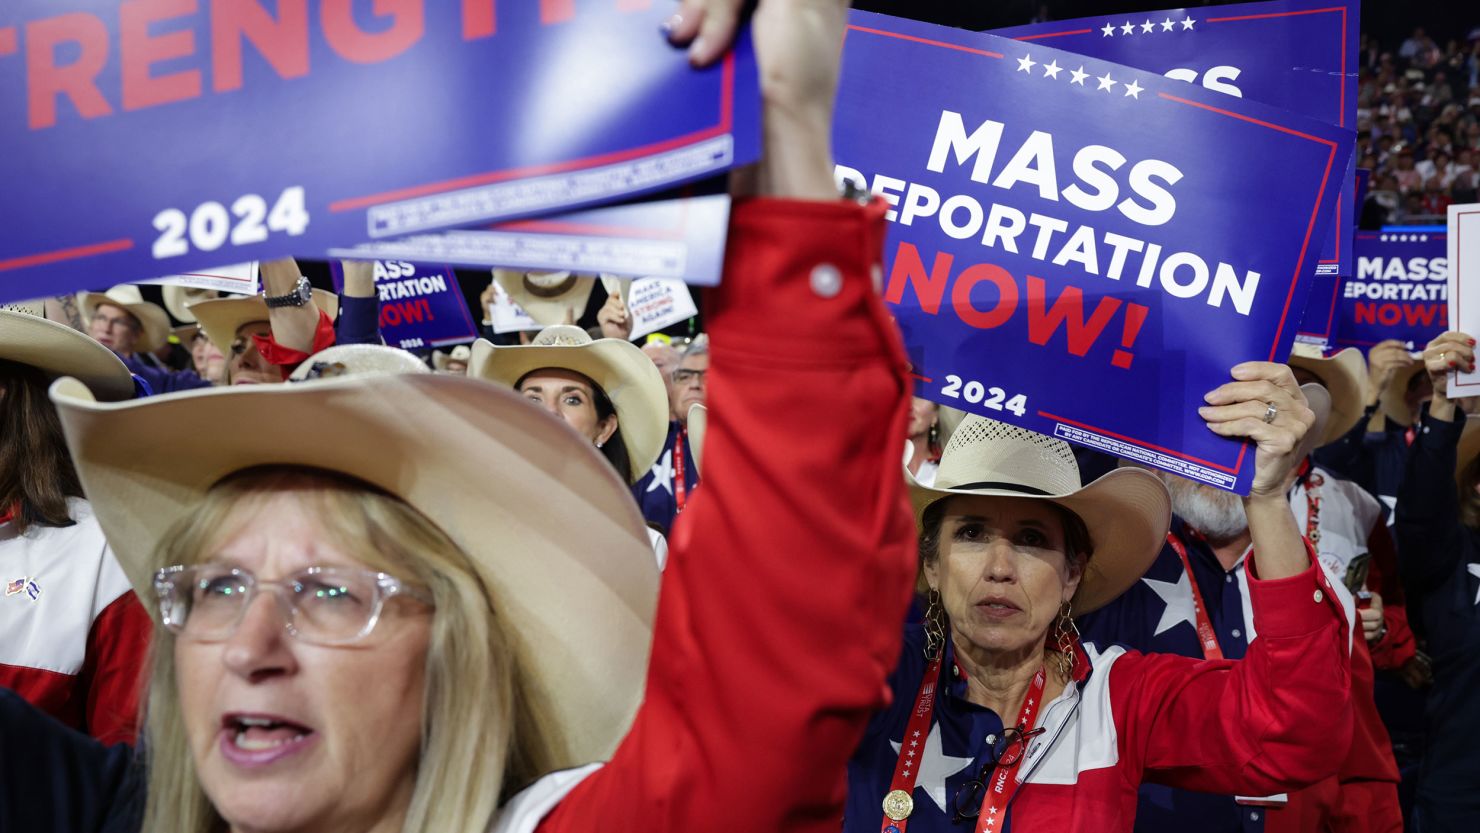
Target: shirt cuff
{"x": 287, "y": 358}
{"x": 1295, "y": 606}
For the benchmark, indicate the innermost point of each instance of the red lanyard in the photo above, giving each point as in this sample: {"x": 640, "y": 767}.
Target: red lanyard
{"x": 994, "y": 806}
{"x": 1205, "y": 634}
{"x": 900, "y": 803}
{"x": 680, "y": 488}
{"x": 7, "y": 514}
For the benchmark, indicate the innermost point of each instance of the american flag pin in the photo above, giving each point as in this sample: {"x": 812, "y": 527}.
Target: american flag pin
{"x": 14, "y": 587}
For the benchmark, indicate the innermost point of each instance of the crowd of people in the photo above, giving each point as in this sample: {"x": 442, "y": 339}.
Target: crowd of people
{"x": 465, "y": 552}
{"x": 1418, "y": 127}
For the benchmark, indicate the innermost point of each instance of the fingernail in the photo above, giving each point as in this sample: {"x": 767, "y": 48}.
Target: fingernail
{"x": 697, "y": 50}
{"x": 671, "y": 24}
{"x": 1203, "y": 410}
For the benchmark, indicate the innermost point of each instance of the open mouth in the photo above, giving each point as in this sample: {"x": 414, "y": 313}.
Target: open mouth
{"x": 255, "y": 739}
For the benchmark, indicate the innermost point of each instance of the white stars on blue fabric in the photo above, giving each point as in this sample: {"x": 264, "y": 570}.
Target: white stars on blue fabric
{"x": 934, "y": 766}
{"x": 1180, "y": 606}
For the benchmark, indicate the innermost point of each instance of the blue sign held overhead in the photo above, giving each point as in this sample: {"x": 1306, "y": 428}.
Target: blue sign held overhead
{"x": 1078, "y": 247}
{"x": 1400, "y": 290}
{"x": 1298, "y": 55}
{"x": 151, "y": 139}
{"x": 421, "y": 306}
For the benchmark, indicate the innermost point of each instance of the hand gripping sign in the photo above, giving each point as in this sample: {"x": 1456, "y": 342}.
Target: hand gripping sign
{"x": 157, "y": 137}
{"x": 1299, "y": 55}
{"x": 1081, "y": 248}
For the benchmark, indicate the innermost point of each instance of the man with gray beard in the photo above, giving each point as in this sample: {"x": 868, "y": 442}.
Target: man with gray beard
{"x": 1194, "y": 601}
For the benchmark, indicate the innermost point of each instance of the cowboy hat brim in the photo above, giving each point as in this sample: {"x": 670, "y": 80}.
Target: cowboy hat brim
{"x": 544, "y": 521}
{"x": 623, "y": 372}
{"x": 222, "y": 318}
{"x": 1344, "y": 376}
{"x": 58, "y": 350}
{"x": 547, "y": 311}
{"x": 153, "y": 320}
{"x": 1127, "y": 513}
{"x": 698, "y": 426}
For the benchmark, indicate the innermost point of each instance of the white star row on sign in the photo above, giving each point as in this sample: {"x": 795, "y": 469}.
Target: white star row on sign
{"x": 1404, "y": 238}
{"x": 1129, "y": 28}
{"x": 1077, "y": 76}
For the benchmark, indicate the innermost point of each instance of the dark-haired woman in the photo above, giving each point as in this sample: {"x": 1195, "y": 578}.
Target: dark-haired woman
{"x": 72, "y": 634}
{"x": 1438, "y": 530}
{"x": 1002, "y": 721}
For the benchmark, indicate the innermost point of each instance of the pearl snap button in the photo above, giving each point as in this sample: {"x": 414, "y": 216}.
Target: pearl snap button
{"x": 1318, "y": 596}
{"x": 826, "y": 280}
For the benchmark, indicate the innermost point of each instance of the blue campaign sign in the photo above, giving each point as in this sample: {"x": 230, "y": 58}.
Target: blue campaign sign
{"x": 420, "y": 305}
{"x": 1078, "y": 247}
{"x": 1400, "y": 290}
{"x": 1318, "y": 323}
{"x": 163, "y": 137}
{"x": 681, "y": 238}
{"x": 1299, "y": 55}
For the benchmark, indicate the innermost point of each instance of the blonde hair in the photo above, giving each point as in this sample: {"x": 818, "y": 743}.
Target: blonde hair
{"x": 483, "y": 735}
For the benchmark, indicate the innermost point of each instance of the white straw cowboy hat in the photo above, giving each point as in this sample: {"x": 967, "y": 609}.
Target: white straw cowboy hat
{"x": 1344, "y": 375}
{"x": 58, "y": 350}
{"x": 221, "y": 318}
{"x": 153, "y": 320}
{"x": 357, "y": 360}
{"x": 461, "y": 353}
{"x": 1127, "y": 511}
{"x": 177, "y": 299}
{"x": 543, "y": 519}
{"x": 548, "y": 297}
{"x": 623, "y": 372}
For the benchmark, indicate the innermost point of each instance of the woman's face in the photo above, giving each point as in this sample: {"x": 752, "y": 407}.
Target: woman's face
{"x": 570, "y": 396}
{"x": 209, "y": 363}
{"x": 922, "y": 416}
{"x": 345, "y": 722}
{"x": 1001, "y": 572}
{"x": 247, "y": 366}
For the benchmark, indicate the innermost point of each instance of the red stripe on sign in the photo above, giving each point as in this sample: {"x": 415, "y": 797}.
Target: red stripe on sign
{"x": 726, "y": 116}
{"x": 1142, "y": 443}
{"x": 927, "y": 41}
{"x": 74, "y": 253}
{"x": 1055, "y": 34}
{"x": 1341, "y": 9}
{"x": 7, "y": 41}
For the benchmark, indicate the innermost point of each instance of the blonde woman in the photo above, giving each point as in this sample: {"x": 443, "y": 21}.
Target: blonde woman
{"x": 422, "y": 593}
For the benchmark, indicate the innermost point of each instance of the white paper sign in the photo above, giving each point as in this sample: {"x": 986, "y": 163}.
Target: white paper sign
{"x": 1464, "y": 287}
{"x": 239, "y": 279}
{"x": 656, "y": 303}
{"x": 506, "y": 315}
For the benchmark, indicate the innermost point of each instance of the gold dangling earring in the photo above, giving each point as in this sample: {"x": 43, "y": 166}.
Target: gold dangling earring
{"x": 1066, "y": 641}
{"x": 935, "y": 625}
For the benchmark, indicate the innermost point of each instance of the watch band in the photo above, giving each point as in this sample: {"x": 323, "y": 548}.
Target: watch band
{"x": 297, "y": 298}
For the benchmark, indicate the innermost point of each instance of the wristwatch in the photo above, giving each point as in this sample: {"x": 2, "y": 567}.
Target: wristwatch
{"x": 300, "y": 296}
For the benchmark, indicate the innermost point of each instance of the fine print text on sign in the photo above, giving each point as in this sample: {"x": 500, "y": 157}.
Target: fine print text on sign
{"x": 421, "y": 306}
{"x": 1464, "y": 286}
{"x": 164, "y": 137}
{"x": 1064, "y": 249}
{"x": 1298, "y": 55}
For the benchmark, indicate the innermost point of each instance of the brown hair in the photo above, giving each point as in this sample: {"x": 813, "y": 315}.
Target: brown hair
{"x": 36, "y": 474}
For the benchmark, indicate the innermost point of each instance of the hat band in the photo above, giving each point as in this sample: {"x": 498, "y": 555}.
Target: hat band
{"x": 551, "y": 291}
{"x": 997, "y": 484}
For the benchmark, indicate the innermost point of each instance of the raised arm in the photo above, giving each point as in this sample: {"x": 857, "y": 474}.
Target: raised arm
{"x": 1280, "y": 718}
{"x": 1427, "y": 526}
{"x": 791, "y": 569}
{"x": 359, "y": 305}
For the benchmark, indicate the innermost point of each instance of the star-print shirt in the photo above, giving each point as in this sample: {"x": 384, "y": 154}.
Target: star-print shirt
{"x": 1158, "y": 614}
{"x": 1251, "y": 728}
{"x": 1440, "y": 561}
{"x": 657, "y": 491}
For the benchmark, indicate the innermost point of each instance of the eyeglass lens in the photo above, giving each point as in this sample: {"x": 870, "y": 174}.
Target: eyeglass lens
{"x": 325, "y": 604}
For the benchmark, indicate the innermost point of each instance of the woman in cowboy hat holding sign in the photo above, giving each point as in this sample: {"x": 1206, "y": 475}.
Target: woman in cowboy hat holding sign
{"x": 427, "y": 605}
{"x": 1001, "y": 719}
{"x": 72, "y": 635}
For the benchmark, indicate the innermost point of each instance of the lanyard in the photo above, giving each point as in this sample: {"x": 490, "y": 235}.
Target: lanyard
{"x": 7, "y": 514}
{"x": 680, "y": 487}
{"x": 1205, "y": 634}
{"x": 900, "y": 803}
{"x": 994, "y": 806}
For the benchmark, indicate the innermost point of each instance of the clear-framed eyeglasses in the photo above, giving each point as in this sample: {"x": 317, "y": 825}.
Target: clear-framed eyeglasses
{"x": 320, "y": 605}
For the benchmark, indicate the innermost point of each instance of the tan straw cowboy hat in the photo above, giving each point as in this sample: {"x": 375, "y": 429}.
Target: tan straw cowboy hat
{"x": 221, "y": 318}
{"x": 549, "y": 298}
{"x": 1127, "y": 511}
{"x": 1344, "y": 375}
{"x": 623, "y": 372}
{"x": 58, "y": 350}
{"x": 545, "y": 522}
{"x": 153, "y": 320}
{"x": 461, "y": 353}
{"x": 698, "y": 426}
{"x": 357, "y": 360}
